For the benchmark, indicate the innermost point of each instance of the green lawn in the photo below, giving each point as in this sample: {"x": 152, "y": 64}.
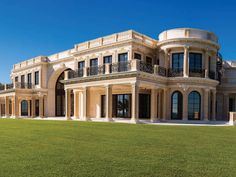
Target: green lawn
{"x": 60, "y": 148}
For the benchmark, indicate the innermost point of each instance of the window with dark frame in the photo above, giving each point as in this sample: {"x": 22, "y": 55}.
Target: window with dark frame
{"x": 36, "y": 78}
{"x": 137, "y": 56}
{"x": 107, "y": 59}
{"x": 177, "y": 61}
{"x": 149, "y": 60}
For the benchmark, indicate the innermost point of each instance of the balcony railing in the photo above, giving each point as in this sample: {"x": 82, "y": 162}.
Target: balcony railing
{"x": 134, "y": 65}
{"x": 76, "y": 73}
{"x": 146, "y": 67}
{"x": 22, "y": 85}
{"x": 197, "y": 72}
{"x": 175, "y": 72}
{"x": 121, "y": 66}
{"x": 161, "y": 71}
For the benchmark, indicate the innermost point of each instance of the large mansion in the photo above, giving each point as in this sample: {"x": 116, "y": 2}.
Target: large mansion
{"x": 180, "y": 76}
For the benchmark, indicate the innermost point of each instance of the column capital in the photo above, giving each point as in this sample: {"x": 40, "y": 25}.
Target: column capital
{"x": 186, "y": 47}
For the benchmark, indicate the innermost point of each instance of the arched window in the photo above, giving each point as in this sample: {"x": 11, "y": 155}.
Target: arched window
{"x": 194, "y": 106}
{"x": 24, "y": 108}
{"x": 176, "y": 105}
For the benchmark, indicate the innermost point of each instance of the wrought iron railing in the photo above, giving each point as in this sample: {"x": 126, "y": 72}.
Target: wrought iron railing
{"x": 95, "y": 70}
{"x": 145, "y": 67}
{"x": 77, "y": 73}
{"x": 23, "y": 85}
{"x": 197, "y": 72}
{"x": 211, "y": 74}
{"x": 121, "y": 66}
{"x": 161, "y": 71}
{"x": 178, "y": 72}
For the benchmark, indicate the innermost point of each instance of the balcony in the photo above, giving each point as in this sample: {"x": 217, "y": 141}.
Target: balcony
{"x": 178, "y": 72}
{"x": 196, "y": 72}
{"x": 134, "y": 66}
{"x": 119, "y": 67}
{"x": 18, "y": 85}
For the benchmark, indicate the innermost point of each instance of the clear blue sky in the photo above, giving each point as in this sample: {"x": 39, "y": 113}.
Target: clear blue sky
{"x": 29, "y": 28}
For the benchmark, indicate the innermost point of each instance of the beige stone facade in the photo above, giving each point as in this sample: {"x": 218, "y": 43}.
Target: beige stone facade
{"x": 127, "y": 75}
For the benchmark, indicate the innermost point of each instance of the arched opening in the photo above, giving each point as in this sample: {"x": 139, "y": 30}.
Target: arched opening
{"x": 194, "y": 105}
{"x": 60, "y": 96}
{"x": 24, "y": 108}
{"x": 177, "y": 106}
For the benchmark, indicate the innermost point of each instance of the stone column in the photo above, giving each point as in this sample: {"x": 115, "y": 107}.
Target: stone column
{"x": 186, "y": 62}
{"x": 6, "y": 106}
{"x": 16, "y": 107}
{"x": 154, "y": 105}
{"x": 206, "y": 104}
{"x": 159, "y": 104}
{"x": 206, "y": 58}
{"x": 41, "y": 107}
{"x": 108, "y": 103}
{"x": 166, "y": 59}
{"x": 185, "y": 106}
{"x": 213, "y": 116}
{"x": 13, "y": 108}
{"x": 76, "y": 104}
{"x": 135, "y": 103}
{"x": 226, "y": 106}
{"x": 19, "y": 106}
{"x": 84, "y": 105}
{"x": 33, "y": 107}
{"x": 165, "y": 103}
{"x": 28, "y": 103}
{"x": 68, "y": 103}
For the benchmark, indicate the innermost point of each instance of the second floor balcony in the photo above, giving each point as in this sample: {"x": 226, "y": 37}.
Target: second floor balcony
{"x": 16, "y": 85}
{"x": 138, "y": 66}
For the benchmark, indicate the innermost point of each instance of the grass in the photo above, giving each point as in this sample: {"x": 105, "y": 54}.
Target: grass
{"x": 59, "y": 148}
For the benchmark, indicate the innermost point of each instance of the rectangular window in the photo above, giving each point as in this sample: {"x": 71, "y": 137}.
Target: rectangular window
{"x": 177, "y": 61}
{"x": 81, "y": 65}
{"x": 121, "y": 105}
{"x": 149, "y": 60}
{"x": 107, "y": 59}
{"x": 29, "y": 78}
{"x": 94, "y": 62}
{"x": 137, "y": 56}
{"x": 93, "y": 70}
{"x": 123, "y": 57}
{"x": 36, "y": 76}
{"x": 195, "y": 61}
{"x": 22, "y": 79}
